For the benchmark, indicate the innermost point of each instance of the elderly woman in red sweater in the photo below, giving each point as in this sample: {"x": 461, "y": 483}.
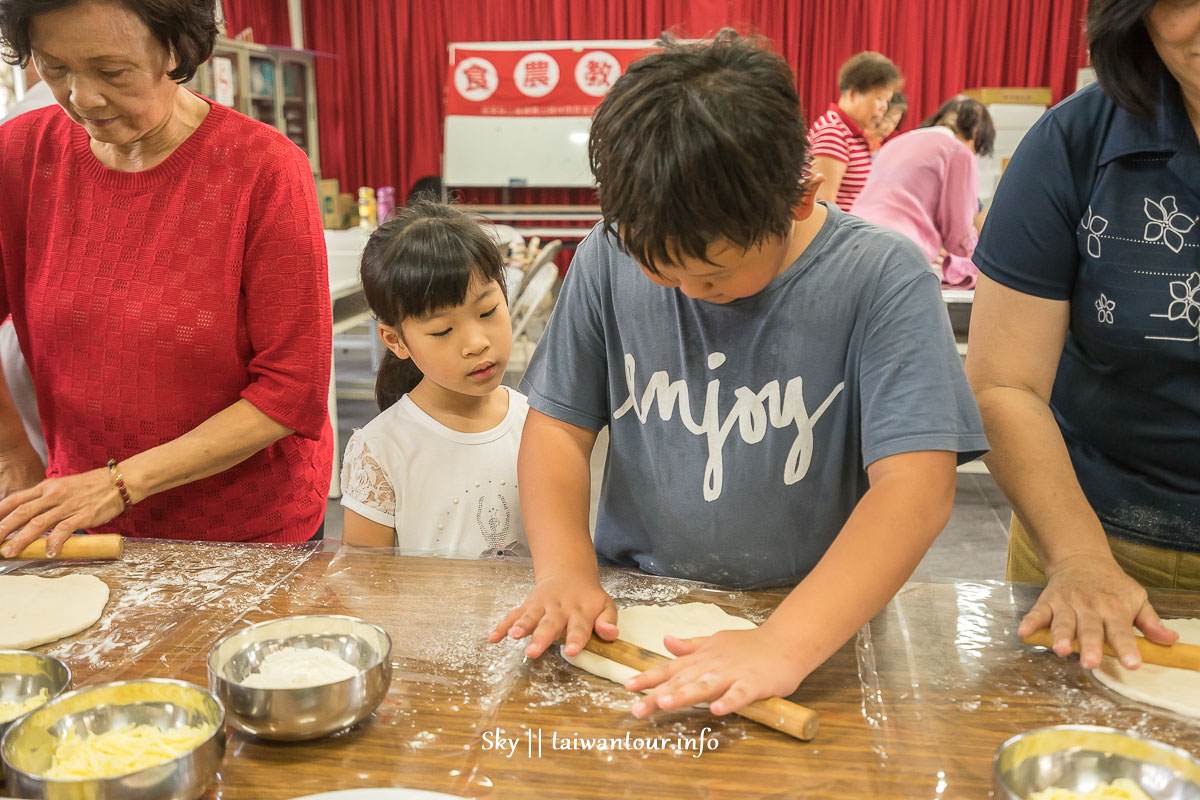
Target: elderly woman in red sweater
{"x": 163, "y": 261}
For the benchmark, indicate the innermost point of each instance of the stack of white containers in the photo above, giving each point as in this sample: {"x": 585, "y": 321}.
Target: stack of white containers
{"x": 1013, "y": 121}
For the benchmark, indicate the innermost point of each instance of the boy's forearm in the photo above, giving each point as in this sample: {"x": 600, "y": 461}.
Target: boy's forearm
{"x": 554, "y": 472}
{"x": 874, "y": 554}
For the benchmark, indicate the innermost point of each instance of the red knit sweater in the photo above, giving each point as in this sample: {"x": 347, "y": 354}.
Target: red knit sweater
{"x": 147, "y": 302}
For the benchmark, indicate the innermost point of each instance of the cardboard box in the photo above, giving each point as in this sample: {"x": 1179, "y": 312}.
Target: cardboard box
{"x": 348, "y": 209}
{"x": 1031, "y": 95}
{"x": 328, "y": 191}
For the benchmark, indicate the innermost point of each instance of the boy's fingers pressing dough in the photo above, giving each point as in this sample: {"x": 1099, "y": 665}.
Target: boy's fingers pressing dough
{"x": 579, "y": 630}
{"x": 737, "y": 696}
{"x": 606, "y": 623}
{"x": 505, "y": 625}
{"x": 548, "y": 630}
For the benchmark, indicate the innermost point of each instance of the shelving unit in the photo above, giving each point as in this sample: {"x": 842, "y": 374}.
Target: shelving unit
{"x": 274, "y": 85}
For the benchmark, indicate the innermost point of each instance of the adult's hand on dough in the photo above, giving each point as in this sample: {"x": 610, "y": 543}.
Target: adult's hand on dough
{"x": 20, "y": 469}
{"x": 1090, "y": 598}
{"x": 559, "y": 604}
{"x": 58, "y": 506}
{"x": 731, "y": 668}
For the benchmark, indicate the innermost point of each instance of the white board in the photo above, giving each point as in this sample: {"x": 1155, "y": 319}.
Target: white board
{"x": 516, "y": 151}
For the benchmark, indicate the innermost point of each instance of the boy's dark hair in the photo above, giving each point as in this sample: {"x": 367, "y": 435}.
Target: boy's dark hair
{"x": 868, "y": 71}
{"x": 419, "y": 262}
{"x": 696, "y": 143}
{"x": 968, "y": 118}
{"x": 1127, "y": 66}
{"x": 187, "y": 28}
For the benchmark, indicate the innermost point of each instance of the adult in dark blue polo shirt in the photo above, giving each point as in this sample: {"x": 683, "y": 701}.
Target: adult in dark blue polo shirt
{"x": 1085, "y": 339}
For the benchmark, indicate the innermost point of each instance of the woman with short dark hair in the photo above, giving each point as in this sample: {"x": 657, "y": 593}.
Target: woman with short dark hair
{"x": 1084, "y": 338}
{"x": 163, "y": 261}
{"x": 841, "y": 153}
{"x": 925, "y": 184}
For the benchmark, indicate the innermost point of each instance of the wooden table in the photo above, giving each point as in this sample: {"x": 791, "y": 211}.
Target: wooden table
{"x": 914, "y": 708}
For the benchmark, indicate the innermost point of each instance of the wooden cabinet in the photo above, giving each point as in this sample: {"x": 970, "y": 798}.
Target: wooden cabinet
{"x": 274, "y": 85}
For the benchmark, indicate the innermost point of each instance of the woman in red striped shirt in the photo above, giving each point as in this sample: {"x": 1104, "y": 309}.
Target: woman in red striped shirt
{"x": 163, "y": 261}
{"x": 840, "y": 150}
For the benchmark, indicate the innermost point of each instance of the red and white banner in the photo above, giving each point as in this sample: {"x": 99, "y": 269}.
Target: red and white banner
{"x": 535, "y": 79}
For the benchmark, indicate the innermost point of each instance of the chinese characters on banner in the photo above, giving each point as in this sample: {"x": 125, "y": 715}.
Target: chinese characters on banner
{"x": 521, "y": 79}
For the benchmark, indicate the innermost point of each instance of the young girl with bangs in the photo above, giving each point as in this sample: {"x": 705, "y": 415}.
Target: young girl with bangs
{"x": 436, "y": 472}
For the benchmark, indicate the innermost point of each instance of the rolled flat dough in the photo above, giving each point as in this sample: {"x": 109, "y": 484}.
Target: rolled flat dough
{"x": 1174, "y": 689}
{"x": 36, "y": 610}
{"x": 646, "y": 626}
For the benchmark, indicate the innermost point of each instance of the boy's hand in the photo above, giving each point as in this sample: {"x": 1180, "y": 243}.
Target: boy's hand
{"x": 559, "y": 604}
{"x": 731, "y": 668}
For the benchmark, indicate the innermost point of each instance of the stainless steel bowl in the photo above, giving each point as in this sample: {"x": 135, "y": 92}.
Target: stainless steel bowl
{"x": 28, "y": 746}
{"x": 23, "y": 675}
{"x": 311, "y": 712}
{"x": 1081, "y": 757}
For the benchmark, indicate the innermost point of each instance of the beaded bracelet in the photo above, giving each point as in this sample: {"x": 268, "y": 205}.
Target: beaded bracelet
{"x": 119, "y": 481}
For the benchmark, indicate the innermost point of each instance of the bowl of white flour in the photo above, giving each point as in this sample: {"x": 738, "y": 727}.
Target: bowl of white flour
{"x": 297, "y": 678}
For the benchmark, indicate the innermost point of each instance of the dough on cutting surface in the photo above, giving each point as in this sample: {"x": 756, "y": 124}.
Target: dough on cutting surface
{"x": 36, "y": 610}
{"x": 646, "y": 626}
{"x": 1174, "y": 689}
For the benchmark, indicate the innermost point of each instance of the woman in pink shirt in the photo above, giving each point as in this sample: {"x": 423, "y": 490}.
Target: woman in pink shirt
{"x": 925, "y": 184}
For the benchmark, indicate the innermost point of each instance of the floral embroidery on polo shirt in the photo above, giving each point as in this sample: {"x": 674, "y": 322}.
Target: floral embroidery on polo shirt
{"x": 1167, "y": 223}
{"x": 1185, "y": 303}
{"x": 1104, "y": 309}
{"x": 1094, "y": 225}
{"x": 1184, "y": 306}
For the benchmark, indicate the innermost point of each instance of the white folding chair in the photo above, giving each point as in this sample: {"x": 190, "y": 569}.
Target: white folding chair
{"x": 530, "y": 313}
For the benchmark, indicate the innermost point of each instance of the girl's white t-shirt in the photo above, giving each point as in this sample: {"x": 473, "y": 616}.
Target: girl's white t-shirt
{"x": 444, "y": 492}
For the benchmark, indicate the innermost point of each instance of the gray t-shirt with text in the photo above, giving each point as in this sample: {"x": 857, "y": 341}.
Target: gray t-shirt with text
{"x": 739, "y": 432}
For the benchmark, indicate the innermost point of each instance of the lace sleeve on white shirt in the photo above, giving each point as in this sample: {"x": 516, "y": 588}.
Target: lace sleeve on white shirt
{"x": 363, "y": 478}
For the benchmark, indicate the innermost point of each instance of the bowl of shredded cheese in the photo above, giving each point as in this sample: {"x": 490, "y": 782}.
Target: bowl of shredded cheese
{"x": 1085, "y": 762}
{"x": 133, "y": 740}
{"x": 27, "y": 681}
{"x": 298, "y": 678}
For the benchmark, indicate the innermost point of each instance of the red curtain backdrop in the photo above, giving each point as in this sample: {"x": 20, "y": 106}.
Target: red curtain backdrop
{"x": 380, "y": 91}
{"x": 268, "y": 18}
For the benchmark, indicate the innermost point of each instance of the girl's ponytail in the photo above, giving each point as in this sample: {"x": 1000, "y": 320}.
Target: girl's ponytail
{"x": 397, "y": 377}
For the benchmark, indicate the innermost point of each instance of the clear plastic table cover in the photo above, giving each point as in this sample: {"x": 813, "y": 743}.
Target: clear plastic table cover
{"x": 914, "y": 707}
{"x": 167, "y": 603}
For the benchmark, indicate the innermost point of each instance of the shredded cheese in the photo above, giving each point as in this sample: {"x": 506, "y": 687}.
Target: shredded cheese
{"x": 122, "y": 750}
{"x": 1120, "y": 789}
{"x": 10, "y": 710}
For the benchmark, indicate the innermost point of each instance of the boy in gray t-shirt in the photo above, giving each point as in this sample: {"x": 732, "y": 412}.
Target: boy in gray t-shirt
{"x": 784, "y": 400}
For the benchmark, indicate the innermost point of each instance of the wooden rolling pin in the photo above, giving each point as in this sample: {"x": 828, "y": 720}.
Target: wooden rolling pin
{"x": 774, "y": 712}
{"x": 107, "y": 546}
{"x": 1181, "y": 656}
